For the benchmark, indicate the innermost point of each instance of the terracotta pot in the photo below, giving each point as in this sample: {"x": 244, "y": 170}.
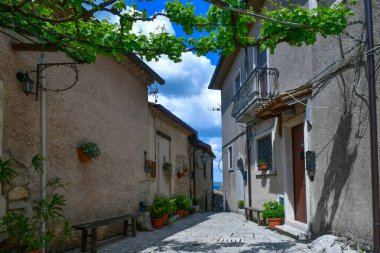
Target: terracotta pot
{"x": 180, "y": 175}
{"x": 157, "y": 223}
{"x": 263, "y": 166}
{"x": 165, "y": 218}
{"x": 82, "y": 156}
{"x": 273, "y": 222}
{"x": 180, "y": 213}
{"x": 34, "y": 251}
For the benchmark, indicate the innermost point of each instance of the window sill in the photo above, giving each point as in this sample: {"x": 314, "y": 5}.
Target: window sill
{"x": 265, "y": 173}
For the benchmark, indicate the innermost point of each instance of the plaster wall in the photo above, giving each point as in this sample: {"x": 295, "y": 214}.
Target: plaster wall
{"x": 203, "y": 184}
{"x": 108, "y": 106}
{"x": 340, "y": 194}
{"x": 179, "y": 147}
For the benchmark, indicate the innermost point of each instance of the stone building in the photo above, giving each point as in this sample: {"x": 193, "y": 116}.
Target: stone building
{"x": 286, "y": 108}
{"x": 107, "y": 106}
{"x": 175, "y": 142}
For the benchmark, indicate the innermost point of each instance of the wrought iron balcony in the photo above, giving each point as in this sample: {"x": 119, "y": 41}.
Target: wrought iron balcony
{"x": 261, "y": 85}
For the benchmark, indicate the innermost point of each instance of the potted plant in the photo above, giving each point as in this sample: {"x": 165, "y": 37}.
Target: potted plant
{"x": 263, "y": 165}
{"x": 87, "y": 151}
{"x": 167, "y": 168}
{"x": 25, "y": 229}
{"x": 156, "y": 215}
{"x": 240, "y": 204}
{"x": 180, "y": 172}
{"x": 183, "y": 205}
{"x": 167, "y": 204}
{"x": 273, "y": 212}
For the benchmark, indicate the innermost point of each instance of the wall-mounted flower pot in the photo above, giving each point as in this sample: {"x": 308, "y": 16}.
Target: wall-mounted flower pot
{"x": 263, "y": 166}
{"x": 82, "y": 156}
{"x": 180, "y": 175}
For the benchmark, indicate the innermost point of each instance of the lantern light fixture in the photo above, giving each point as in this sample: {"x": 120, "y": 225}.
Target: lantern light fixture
{"x": 26, "y": 82}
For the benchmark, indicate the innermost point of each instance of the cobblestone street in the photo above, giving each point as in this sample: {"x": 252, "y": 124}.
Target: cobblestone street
{"x": 206, "y": 232}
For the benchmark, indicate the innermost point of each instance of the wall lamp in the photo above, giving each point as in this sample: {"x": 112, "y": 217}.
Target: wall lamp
{"x": 204, "y": 161}
{"x": 26, "y": 82}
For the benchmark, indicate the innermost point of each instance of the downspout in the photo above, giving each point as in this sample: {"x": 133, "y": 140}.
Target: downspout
{"x": 373, "y": 126}
{"x": 249, "y": 167}
{"x": 194, "y": 149}
{"x": 43, "y": 145}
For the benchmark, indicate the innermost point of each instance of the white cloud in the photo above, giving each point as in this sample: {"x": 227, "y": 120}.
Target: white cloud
{"x": 194, "y": 110}
{"x": 154, "y": 27}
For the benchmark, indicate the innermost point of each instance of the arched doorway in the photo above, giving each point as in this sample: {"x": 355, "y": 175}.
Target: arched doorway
{"x": 240, "y": 193}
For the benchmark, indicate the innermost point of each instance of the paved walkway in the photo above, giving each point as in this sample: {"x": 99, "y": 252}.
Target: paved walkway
{"x": 206, "y": 232}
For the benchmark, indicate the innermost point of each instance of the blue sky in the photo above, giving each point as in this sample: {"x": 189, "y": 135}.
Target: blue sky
{"x": 185, "y": 92}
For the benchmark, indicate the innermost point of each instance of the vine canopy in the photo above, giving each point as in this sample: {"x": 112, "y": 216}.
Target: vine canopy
{"x": 83, "y": 28}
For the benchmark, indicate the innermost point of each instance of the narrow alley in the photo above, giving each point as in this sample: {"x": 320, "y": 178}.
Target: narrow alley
{"x": 205, "y": 232}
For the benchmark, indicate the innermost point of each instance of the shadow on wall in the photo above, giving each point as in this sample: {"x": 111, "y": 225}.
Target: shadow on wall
{"x": 342, "y": 158}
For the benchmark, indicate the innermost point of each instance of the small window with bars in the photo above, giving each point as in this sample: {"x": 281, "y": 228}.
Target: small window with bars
{"x": 264, "y": 150}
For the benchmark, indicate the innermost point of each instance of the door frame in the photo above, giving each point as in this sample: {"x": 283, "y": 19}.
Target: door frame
{"x": 287, "y": 161}
{"x": 159, "y": 173}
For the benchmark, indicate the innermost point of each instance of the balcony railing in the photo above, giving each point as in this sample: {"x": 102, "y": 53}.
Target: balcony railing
{"x": 261, "y": 85}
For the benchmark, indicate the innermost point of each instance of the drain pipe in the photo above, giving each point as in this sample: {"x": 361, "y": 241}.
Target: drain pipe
{"x": 373, "y": 126}
{"x": 249, "y": 166}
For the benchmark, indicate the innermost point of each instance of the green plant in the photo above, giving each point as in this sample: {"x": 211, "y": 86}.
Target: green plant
{"x": 167, "y": 204}
{"x": 195, "y": 201}
{"x": 240, "y": 204}
{"x": 273, "y": 209}
{"x": 50, "y": 210}
{"x": 156, "y": 212}
{"x": 90, "y": 149}
{"x": 262, "y": 161}
{"x": 182, "y": 202}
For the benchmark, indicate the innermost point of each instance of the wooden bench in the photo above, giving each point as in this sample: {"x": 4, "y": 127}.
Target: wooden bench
{"x": 94, "y": 226}
{"x": 249, "y": 215}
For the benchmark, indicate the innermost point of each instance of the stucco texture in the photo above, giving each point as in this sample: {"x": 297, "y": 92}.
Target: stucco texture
{"x": 108, "y": 106}
{"x": 179, "y": 150}
{"x": 339, "y": 197}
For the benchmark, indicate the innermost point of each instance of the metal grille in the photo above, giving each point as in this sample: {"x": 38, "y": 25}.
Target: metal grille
{"x": 264, "y": 150}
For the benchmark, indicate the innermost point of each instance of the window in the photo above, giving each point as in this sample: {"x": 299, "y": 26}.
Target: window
{"x": 229, "y": 150}
{"x": 263, "y": 145}
{"x": 264, "y": 150}
{"x": 237, "y": 81}
{"x": 261, "y": 58}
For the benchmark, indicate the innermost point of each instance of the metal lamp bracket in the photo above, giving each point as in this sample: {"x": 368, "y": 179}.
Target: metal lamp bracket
{"x": 44, "y": 66}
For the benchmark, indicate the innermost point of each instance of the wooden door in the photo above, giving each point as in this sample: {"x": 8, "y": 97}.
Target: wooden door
{"x": 299, "y": 173}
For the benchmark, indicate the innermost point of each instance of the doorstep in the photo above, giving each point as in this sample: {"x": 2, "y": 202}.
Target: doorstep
{"x": 295, "y": 229}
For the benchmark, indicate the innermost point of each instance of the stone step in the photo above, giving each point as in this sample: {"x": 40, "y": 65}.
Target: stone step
{"x": 292, "y": 232}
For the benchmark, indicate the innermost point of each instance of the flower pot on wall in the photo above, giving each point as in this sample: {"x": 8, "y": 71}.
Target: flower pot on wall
{"x": 263, "y": 166}
{"x": 82, "y": 156}
{"x": 180, "y": 175}
{"x": 273, "y": 222}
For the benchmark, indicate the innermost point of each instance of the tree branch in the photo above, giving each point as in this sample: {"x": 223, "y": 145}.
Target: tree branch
{"x": 225, "y": 6}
